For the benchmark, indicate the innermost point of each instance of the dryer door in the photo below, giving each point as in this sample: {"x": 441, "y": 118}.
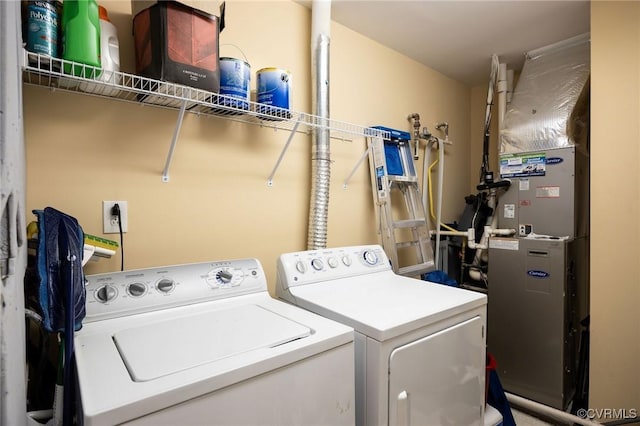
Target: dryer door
{"x": 439, "y": 379}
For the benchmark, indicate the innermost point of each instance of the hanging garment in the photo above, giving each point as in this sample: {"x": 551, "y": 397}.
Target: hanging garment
{"x": 59, "y": 258}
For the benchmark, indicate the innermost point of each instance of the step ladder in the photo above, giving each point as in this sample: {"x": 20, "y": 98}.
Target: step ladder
{"x": 402, "y": 222}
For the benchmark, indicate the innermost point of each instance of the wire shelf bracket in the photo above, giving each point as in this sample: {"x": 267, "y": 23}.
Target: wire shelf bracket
{"x": 174, "y": 141}
{"x": 284, "y": 150}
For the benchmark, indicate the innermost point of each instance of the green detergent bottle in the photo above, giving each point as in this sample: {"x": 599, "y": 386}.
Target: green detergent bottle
{"x": 81, "y": 37}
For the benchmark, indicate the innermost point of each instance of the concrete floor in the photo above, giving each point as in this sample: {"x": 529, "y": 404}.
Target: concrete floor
{"x": 524, "y": 419}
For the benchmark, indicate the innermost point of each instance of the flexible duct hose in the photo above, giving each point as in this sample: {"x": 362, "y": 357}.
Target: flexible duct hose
{"x": 320, "y": 155}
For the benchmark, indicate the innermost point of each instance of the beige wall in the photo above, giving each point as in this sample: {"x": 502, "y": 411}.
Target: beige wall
{"x": 82, "y": 150}
{"x": 615, "y": 200}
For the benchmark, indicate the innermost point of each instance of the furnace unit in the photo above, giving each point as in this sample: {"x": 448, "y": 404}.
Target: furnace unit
{"x": 538, "y": 280}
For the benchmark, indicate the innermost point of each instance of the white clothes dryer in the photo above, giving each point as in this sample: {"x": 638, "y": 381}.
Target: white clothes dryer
{"x": 420, "y": 346}
{"x": 205, "y": 344}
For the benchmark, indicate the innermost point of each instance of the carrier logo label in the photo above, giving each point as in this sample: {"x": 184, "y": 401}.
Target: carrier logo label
{"x": 554, "y": 160}
{"x": 537, "y": 274}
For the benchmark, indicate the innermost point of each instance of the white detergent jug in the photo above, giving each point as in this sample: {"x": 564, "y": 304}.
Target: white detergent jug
{"x": 109, "y": 59}
{"x": 109, "y": 52}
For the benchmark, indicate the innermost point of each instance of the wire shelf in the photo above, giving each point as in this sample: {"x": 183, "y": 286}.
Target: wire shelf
{"x": 70, "y": 76}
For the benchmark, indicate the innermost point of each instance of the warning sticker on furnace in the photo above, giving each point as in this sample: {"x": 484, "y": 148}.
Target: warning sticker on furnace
{"x": 548, "y": 192}
{"x": 509, "y": 211}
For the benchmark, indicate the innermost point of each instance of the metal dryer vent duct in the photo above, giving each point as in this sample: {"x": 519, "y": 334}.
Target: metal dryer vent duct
{"x": 550, "y": 84}
{"x": 320, "y": 154}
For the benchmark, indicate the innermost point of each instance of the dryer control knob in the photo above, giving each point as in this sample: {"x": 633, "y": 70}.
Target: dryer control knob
{"x": 370, "y": 257}
{"x": 136, "y": 289}
{"x": 317, "y": 264}
{"x": 165, "y": 285}
{"x": 301, "y": 267}
{"x": 105, "y": 293}
{"x": 346, "y": 260}
{"x": 332, "y": 262}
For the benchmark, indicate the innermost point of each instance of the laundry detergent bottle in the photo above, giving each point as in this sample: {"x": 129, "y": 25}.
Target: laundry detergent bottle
{"x": 109, "y": 47}
{"x": 81, "y": 37}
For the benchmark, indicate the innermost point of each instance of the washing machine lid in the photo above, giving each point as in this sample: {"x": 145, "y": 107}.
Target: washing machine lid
{"x": 158, "y": 349}
{"x": 384, "y": 305}
{"x": 265, "y": 334}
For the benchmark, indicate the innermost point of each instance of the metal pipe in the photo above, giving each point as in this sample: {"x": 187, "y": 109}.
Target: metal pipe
{"x": 444, "y": 125}
{"x": 320, "y": 155}
{"x": 416, "y": 133}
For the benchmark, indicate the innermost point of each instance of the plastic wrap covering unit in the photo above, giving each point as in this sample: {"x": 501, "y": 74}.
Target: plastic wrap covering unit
{"x": 551, "y": 81}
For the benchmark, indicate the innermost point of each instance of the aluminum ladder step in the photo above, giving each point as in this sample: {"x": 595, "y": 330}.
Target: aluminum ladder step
{"x": 406, "y": 244}
{"x": 402, "y": 179}
{"x": 409, "y": 223}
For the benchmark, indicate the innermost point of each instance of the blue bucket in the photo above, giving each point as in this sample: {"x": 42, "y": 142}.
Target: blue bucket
{"x": 273, "y": 86}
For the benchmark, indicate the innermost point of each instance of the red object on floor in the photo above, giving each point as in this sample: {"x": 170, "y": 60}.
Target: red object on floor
{"x": 491, "y": 366}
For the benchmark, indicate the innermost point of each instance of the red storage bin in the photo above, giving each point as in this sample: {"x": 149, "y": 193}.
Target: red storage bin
{"x": 179, "y": 44}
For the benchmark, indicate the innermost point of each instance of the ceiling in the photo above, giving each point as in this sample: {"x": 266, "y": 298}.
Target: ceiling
{"x": 457, "y": 38}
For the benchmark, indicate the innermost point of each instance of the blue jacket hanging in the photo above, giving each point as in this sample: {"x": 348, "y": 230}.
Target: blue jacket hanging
{"x": 60, "y": 272}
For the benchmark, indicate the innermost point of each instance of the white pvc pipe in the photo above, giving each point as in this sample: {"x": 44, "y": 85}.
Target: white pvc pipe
{"x": 502, "y": 93}
{"x": 453, "y": 233}
{"x": 440, "y": 190}
{"x": 470, "y": 233}
{"x": 503, "y": 232}
{"x": 320, "y": 20}
{"x": 509, "y": 85}
{"x": 484, "y": 241}
{"x": 476, "y": 275}
{"x": 425, "y": 183}
{"x": 545, "y": 410}
{"x": 483, "y": 245}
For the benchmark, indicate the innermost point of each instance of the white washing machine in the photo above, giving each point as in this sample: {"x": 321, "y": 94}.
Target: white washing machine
{"x": 205, "y": 344}
{"x": 420, "y": 347}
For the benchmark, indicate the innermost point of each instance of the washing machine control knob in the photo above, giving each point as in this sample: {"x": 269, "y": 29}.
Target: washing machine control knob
{"x": 346, "y": 260}
{"x": 165, "y": 285}
{"x": 136, "y": 289}
{"x": 301, "y": 267}
{"x": 225, "y": 276}
{"x": 105, "y": 293}
{"x": 333, "y": 263}
{"x": 317, "y": 264}
{"x": 370, "y": 257}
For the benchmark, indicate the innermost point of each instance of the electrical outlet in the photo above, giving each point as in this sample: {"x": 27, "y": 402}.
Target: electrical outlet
{"x": 109, "y": 221}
